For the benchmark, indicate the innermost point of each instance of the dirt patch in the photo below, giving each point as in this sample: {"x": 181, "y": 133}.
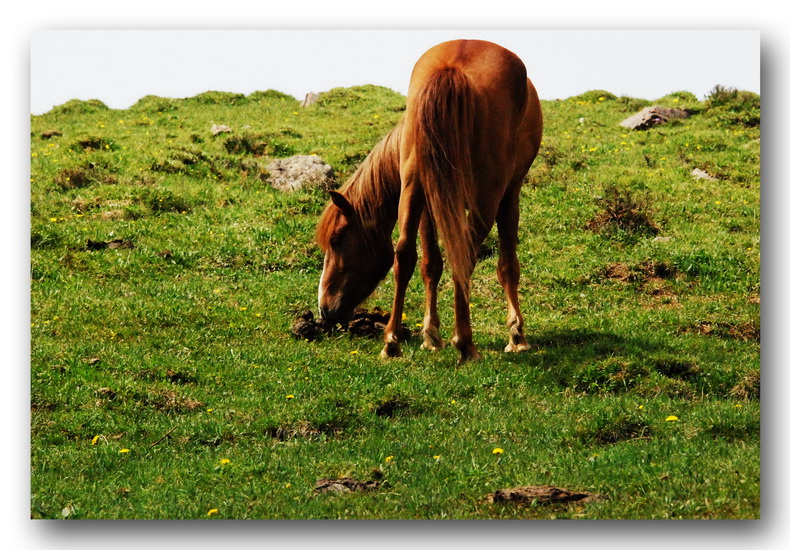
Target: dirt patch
{"x": 308, "y": 430}
{"x": 391, "y": 407}
{"x": 303, "y": 429}
{"x": 365, "y": 323}
{"x": 618, "y": 272}
{"x": 749, "y": 330}
{"x": 617, "y": 430}
{"x": 50, "y": 134}
{"x": 78, "y": 177}
{"x": 345, "y": 485}
{"x": 648, "y": 271}
{"x": 542, "y": 494}
{"x": 676, "y": 368}
{"x": 113, "y": 244}
{"x": 748, "y": 387}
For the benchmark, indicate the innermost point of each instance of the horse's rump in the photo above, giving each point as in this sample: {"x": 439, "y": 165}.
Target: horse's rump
{"x": 464, "y": 114}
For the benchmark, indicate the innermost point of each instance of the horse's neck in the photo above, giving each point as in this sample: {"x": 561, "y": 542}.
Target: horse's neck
{"x": 378, "y": 181}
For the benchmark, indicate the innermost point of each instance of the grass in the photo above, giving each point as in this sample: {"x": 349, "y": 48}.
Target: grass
{"x": 165, "y": 382}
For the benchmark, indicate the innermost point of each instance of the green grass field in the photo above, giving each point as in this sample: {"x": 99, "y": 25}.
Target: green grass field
{"x": 165, "y": 382}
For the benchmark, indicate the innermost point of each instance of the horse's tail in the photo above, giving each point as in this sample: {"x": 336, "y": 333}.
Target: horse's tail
{"x": 443, "y": 130}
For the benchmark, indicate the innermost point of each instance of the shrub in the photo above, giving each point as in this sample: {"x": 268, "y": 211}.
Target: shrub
{"x": 734, "y": 107}
{"x": 624, "y": 214}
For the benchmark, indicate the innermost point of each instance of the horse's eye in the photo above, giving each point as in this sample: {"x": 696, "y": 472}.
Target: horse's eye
{"x": 334, "y": 241}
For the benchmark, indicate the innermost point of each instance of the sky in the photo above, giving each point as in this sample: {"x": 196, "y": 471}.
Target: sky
{"x": 119, "y": 67}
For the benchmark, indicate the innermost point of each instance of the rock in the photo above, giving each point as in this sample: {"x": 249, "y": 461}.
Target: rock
{"x": 310, "y": 98}
{"x": 217, "y": 129}
{"x": 300, "y": 172}
{"x": 653, "y": 116}
{"x": 702, "y": 174}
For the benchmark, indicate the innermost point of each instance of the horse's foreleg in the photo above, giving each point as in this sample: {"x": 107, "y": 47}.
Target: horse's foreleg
{"x": 431, "y": 271}
{"x": 509, "y": 270}
{"x": 410, "y": 209}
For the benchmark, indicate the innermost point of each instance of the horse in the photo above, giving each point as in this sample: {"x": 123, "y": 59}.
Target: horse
{"x": 451, "y": 167}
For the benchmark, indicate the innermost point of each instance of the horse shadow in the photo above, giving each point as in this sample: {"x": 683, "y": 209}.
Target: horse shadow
{"x": 560, "y": 353}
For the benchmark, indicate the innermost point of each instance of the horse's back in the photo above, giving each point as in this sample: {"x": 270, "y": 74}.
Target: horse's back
{"x": 490, "y": 68}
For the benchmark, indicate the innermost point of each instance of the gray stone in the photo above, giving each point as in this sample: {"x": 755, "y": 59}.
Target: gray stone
{"x": 702, "y": 174}
{"x": 300, "y": 172}
{"x": 310, "y": 98}
{"x": 220, "y": 129}
{"x": 652, "y": 116}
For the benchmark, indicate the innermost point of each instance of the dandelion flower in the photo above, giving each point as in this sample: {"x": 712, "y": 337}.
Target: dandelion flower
{"x": 124, "y": 451}
{"x": 224, "y": 461}
{"x": 212, "y": 512}
{"x": 289, "y": 396}
{"x": 437, "y": 457}
{"x": 95, "y": 439}
{"x": 672, "y": 418}
{"x": 389, "y": 458}
{"x": 497, "y": 451}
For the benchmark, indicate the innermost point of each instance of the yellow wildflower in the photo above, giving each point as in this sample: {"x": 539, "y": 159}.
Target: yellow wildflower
{"x": 212, "y": 512}
{"x": 124, "y": 451}
{"x": 497, "y": 451}
{"x": 672, "y": 418}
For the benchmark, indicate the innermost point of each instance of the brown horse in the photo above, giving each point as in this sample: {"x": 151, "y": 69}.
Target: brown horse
{"x": 455, "y": 163}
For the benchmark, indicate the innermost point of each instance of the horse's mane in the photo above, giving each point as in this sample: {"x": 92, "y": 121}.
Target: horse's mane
{"x": 373, "y": 191}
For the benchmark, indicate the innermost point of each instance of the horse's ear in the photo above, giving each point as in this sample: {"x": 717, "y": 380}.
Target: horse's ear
{"x": 341, "y": 202}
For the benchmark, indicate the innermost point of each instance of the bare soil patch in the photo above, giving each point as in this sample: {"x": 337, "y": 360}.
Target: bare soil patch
{"x": 345, "y": 485}
{"x": 542, "y": 494}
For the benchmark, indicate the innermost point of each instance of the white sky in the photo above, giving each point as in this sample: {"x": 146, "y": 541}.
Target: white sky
{"x": 119, "y": 67}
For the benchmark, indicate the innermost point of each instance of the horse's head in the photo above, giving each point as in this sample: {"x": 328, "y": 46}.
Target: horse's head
{"x": 353, "y": 265}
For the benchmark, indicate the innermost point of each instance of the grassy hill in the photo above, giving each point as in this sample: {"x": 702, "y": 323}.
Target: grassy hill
{"x": 166, "y": 272}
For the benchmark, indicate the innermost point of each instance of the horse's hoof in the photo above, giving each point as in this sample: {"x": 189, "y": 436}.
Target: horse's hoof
{"x": 391, "y": 349}
{"x": 471, "y": 355}
{"x": 432, "y": 344}
{"x": 515, "y": 348}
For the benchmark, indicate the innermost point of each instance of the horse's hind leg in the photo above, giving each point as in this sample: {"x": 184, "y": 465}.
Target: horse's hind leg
{"x": 431, "y": 270}
{"x": 508, "y": 268}
{"x": 462, "y": 338}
